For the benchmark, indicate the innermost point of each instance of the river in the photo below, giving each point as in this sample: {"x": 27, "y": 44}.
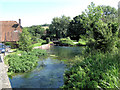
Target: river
{"x": 50, "y": 70}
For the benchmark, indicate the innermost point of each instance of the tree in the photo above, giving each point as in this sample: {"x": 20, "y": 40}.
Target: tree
{"x": 110, "y": 14}
{"x": 82, "y": 25}
{"x": 77, "y": 27}
{"x": 25, "y": 41}
{"x": 59, "y": 26}
{"x": 104, "y": 34}
{"x": 100, "y": 35}
{"x": 36, "y": 32}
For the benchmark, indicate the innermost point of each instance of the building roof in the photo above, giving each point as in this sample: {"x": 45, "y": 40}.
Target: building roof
{"x": 7, "y": 29}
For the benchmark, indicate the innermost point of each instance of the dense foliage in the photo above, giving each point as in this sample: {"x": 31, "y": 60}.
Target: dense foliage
{"x": 96, "y": 71}
{"x": 82, "y": 25}
{"x": 25, "y": 41}
{"x": 59, "y": 27}
{"x": 110, "y": 14}
{"x": 37, "y": 32}
{"x": 77, "y": 27}
{"x": 99, "y": 66}
{"x": 66, "y": 42}
{"x": 96, "y": 27}
{"x": 24, "y": 62}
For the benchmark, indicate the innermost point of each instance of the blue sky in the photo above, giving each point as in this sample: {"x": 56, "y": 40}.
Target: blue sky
{"x": 36, "y": 12}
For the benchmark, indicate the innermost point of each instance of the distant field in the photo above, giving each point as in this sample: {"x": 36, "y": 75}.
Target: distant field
{"x": 45, "y": 27}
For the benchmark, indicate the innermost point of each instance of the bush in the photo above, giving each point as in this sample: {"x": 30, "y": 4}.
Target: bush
{"x": 12, "y": 44}
{"x": 96, "y": 71}
{"x": 66, "y": 42}
{"x": 81, "y": 42}
{"x": 47, "y": 39}
{"x": 36, "y": 44}
{"x": 24, "y": 63}
{"x": 38, "y": 52}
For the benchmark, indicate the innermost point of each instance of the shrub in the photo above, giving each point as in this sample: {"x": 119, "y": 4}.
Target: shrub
{"x": 66, "y": 41}
{"x": 95, "y": 71}
{"x": 7, "y": 43}
{"x": 105, "y": 36}
{"x": 12, "y": 44}
{"x": 39, "y": 43}
{"x": 81, "y": 42}
{"x": 47, "y": 39}
{"x": 36, "y": 44}
{"x": 24, "y": 63}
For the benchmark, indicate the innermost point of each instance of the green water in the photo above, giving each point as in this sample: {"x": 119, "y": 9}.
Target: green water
{"x": 49, "y": 72}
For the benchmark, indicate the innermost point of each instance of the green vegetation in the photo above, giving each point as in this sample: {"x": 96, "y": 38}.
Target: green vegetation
{"x": 41, "y": 42}
{"x": 25, "y": 41}
{"x": 37, "y": 32}
{"x": 96, "y": 28}
{"x": 48, "y": 40}
{"x": 58, "y": 28}
{"x": 24, "y": 62}
{"x": 96, "y": 71}
{"x": 25, "y": 58}
{"x": 36, "y": 44}
{"x": 110, "y": 14}
{"x": 66, "y": 42}
{"x": 81, "y": 42}
{"x": 11, "y": 44}
{"x": 98, "y": 66}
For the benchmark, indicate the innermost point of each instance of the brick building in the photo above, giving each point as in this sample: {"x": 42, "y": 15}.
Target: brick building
{"x": 10, "y": 30}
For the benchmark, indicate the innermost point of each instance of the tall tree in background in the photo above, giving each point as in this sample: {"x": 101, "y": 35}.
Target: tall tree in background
{"x": 83, "y": 24}
{"x": 77, "y": 27}
{"x": 59, "y": 26}
{"x": 104, "y": 33}
{"x": 110, "y": 14}
{"x": 89, "y": 25}
{"x": 36, "y": 32}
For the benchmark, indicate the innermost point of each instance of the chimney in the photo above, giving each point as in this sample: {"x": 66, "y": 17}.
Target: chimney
{"x": 20, "y": 22}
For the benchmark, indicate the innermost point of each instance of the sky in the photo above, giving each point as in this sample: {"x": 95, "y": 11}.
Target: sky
{"x": 37, "y": 12}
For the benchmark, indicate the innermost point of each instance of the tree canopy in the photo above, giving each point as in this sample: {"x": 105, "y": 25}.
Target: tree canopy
{"x": 25, "y": 41}
{"x": 59, "y": 26}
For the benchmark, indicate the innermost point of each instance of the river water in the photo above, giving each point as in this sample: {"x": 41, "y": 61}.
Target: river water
{"x": 49, "y": 72}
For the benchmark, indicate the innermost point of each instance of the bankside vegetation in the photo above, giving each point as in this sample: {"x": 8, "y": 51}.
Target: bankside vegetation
{"x": 25, "y": 58}
{"x": 96, "y": 29}
{"x": 99, "y": 66}
{"x": 24, "y": 61}
{"x": 66, "y": 42}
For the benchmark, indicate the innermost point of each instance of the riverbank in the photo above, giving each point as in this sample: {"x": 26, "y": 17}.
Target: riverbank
{"x": 68, "y": 42}
{"x": 49, "y": 75}
{"x": 24, "y": 61}
{"x": 44, "y": 47}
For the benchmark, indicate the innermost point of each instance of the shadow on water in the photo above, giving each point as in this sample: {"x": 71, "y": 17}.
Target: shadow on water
{"x": 49, "y": 72}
